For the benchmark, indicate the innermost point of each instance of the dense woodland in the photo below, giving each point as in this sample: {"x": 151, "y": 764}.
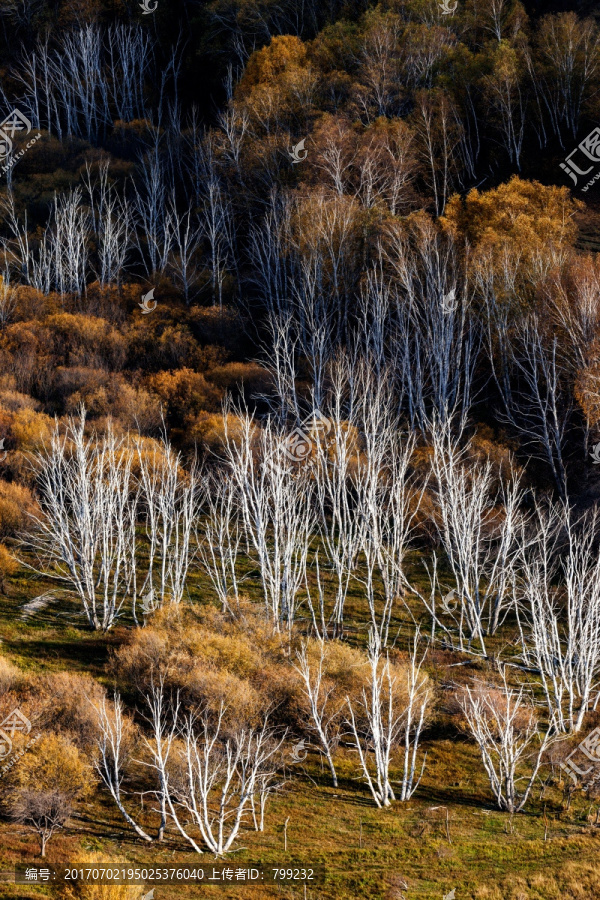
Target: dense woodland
{"x": 300, "y": 420}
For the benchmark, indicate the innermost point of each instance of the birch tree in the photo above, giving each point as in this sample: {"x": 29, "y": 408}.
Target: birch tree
{"x": 504, "y": 724}
{"x": 171, "y": 501}
{"x": 220, "y": 775}
{"x": 479, "y": 529}
{"x": 222, "y": 535}
{"x": 113, "y": 756}
{"x": 83, "y": 534}
{"x": 277, "y": 509}
{"x": 560, "y": 600}
{"x": 378, "y": 726}
{"x": 325, "y": 715}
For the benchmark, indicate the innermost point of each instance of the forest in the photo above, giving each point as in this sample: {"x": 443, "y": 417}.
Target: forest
{"x": 300, "y": 448}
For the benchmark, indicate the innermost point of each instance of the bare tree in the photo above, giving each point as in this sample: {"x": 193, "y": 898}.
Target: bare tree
{"x": 325, "y": 716}
{"x": 379, "y": 91}
{"x": 45, "y": 812}
{"x": 504, "y": 724}
{"x": 335, "y": 480}
{"x": 534, "y": 394}
{"x": 564, "y": 68}
{"x": 386, "y": 503}
{"x": 69, "y": 237}
{"x": 230, "y": 770}
{"x": 171, "y": 500}
{"x": 154, "y": 234}
{"x": 479, "y": 529}
{"x": 113, "y": 756}
{"x": 560, "y": 630}
{"x": 505, "y": 89}
{"x": 276, "y": 505}
{"x": 186, "y": 241}
{"x": 112, "y": 223}
{"x": 83, "y": 534}
{"x": 378, "y": 726}
{"x": 439, "y": 135}
{"x": 435, "y": 340}
{"x": 219, "y": 549}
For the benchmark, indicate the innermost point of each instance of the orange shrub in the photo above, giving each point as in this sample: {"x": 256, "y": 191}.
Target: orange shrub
{"x": 16, "y": 506}
{"x": 185, "y": 393}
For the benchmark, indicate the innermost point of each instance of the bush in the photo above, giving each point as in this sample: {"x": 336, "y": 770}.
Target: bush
{"x": 16, "y": 507}
{"x": 185, "y": 393}
{"x": 68, "y": 699}
{"x": 8, "y": 566}
{"x": 44, "y": 786}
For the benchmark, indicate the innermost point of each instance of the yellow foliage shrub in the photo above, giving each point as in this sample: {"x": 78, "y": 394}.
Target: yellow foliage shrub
{"x": 53, "y": 763}
{"x": 30, "y": 430}
{"x": 16, "y": 506}
{"x": 8, "y": 566}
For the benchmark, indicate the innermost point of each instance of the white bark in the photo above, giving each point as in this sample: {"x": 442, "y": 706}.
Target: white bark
{"x": 504, "y": 725}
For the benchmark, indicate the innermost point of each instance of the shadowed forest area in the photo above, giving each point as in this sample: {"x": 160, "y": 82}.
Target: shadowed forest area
{"x": 300, "y": 447}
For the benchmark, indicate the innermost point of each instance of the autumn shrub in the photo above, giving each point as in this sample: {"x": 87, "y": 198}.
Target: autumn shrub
{"x": 42, "y": 790}
{"x": 69, "y": 700}
{"x": 30, "y": 430}
{"x": 83, "y": 340}
{"x": 11, "y": 399}
{"x": 254, "y": 379}
{"x": 17, "y": 505}
{"x": 209, "y": 430}
{"x": 143, "y": 654}
{"x": 211, "y": 659}
{"x": 106, "y": 394}
{"x": 30, "y": 303}
{"x": 185, "y": 393}
{"x": 53, "y": 761}
{"x": 8, "y": 566}
{"x": 217, "y": 326}
{"x": 162, "y": 341}
{"x": 107, "y": 302}
{"x": 213, "y": 689}
{"x": 24, "y": 356}
{"x": 527, "y": 214}
{"x": 225, "y": 651}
